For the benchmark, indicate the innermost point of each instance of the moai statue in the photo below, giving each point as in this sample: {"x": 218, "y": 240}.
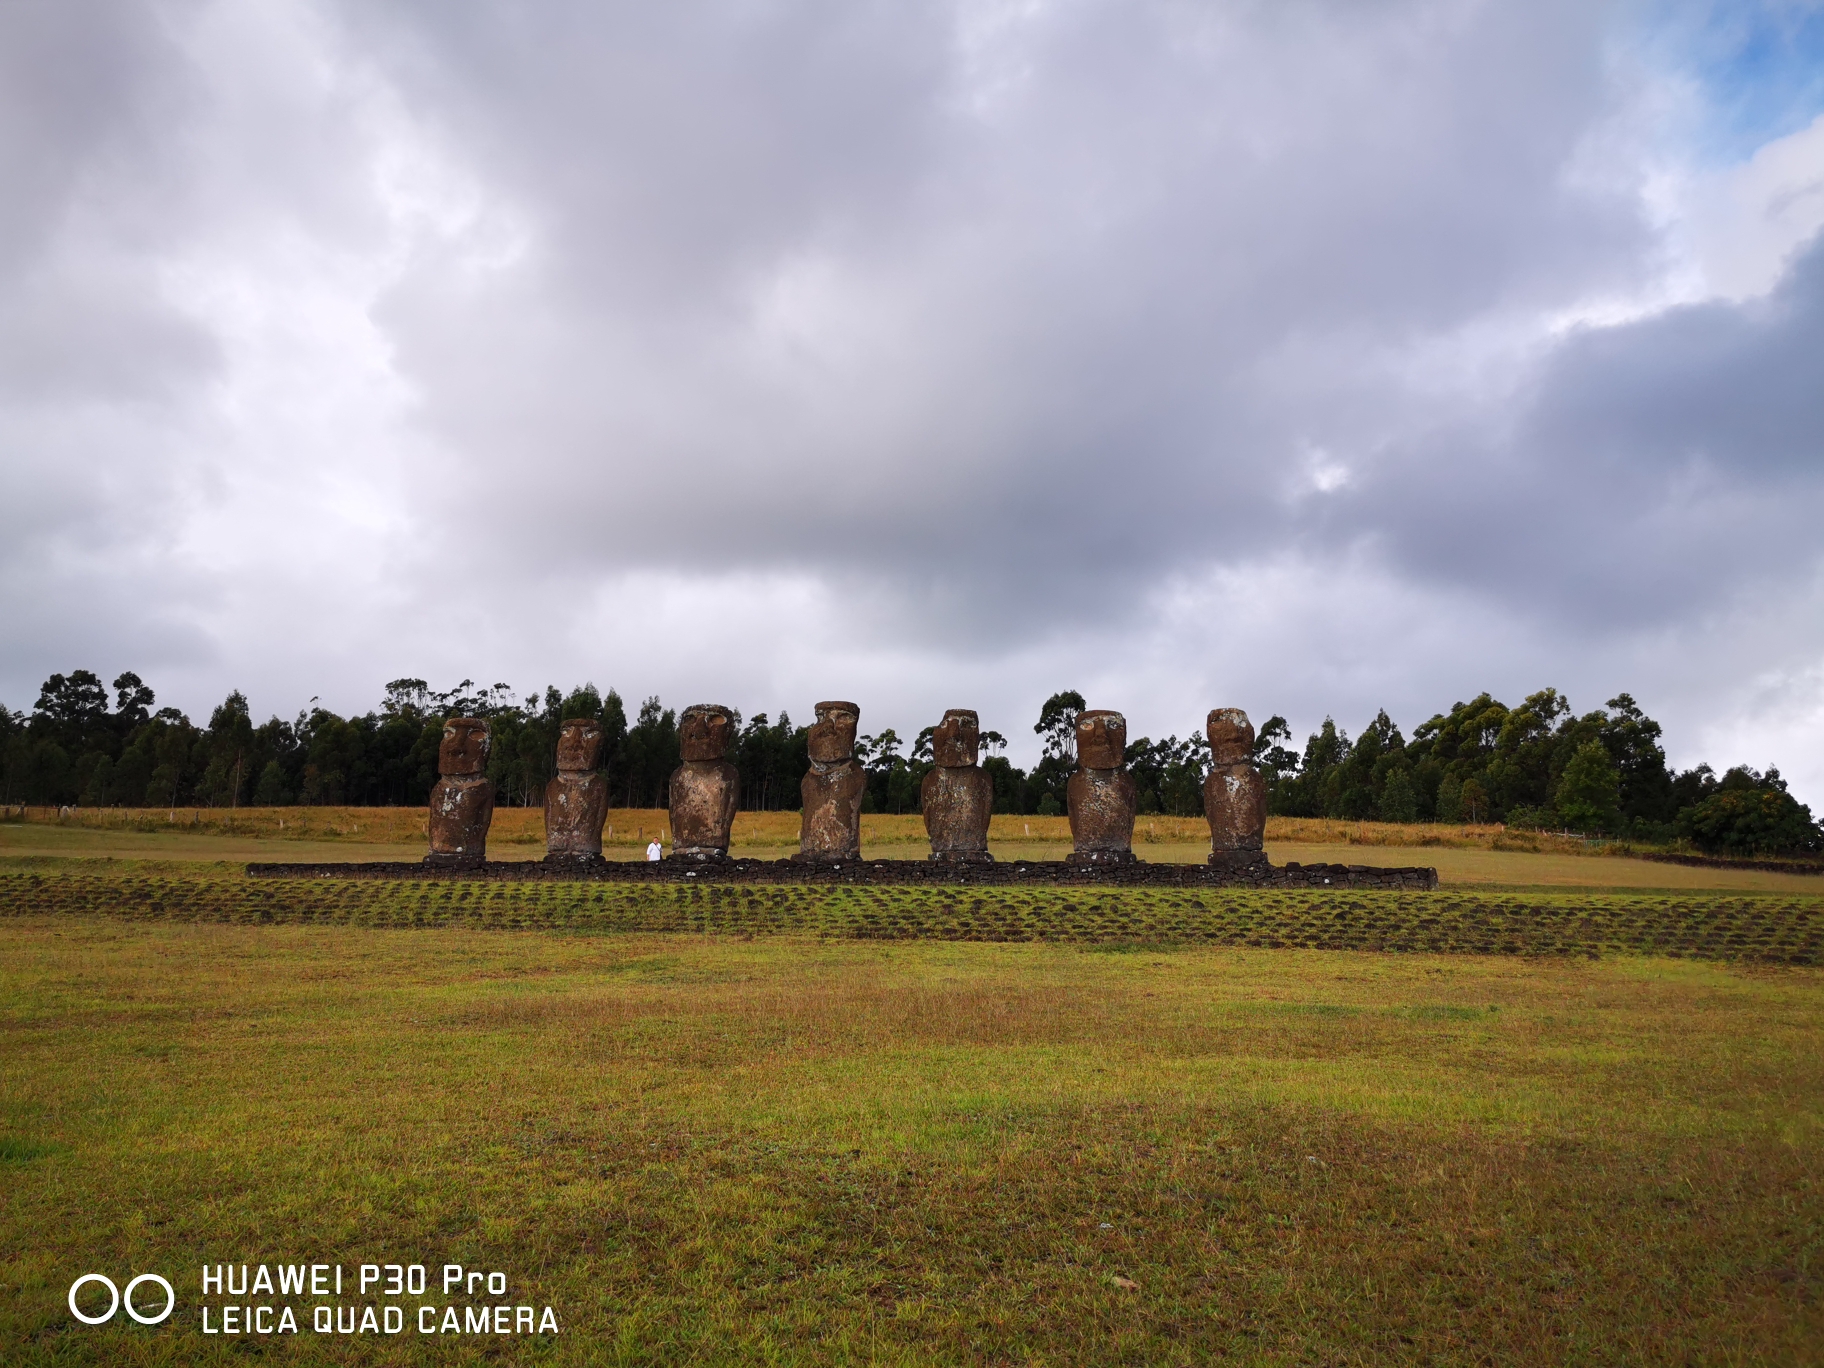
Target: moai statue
{"x": 831, "y": 830}
{"x": 462, "y": 804}
{"x": 1234, "y": 796}
{"x": 705, "y": 789}
{"x": 957, "y": 796}
{"x": 576, "y": 802}
{"x": 1101, "y": 792}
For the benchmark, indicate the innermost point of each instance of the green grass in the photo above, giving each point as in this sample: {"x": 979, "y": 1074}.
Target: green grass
{"x": 705, "y": 1150}
{"x": 750, "y": 1124}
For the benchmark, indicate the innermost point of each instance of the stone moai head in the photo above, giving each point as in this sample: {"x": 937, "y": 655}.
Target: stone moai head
{"x": 958, "y": 739}
{"x": 464, "y": 750}
{"x": 1231, "y": 736}
{"x": 579, "y": 745}
{"x": 1101, "y": 739}
{"x": 832, "y": 737}
{"x": 705, "y": 730}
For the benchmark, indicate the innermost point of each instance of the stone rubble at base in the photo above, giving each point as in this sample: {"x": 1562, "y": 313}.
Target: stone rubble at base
{"x": 1136, "y": 874}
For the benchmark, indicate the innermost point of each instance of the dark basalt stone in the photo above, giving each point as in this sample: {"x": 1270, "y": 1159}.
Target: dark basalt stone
{"x": 1133, "y": 874}
{"x": 1234, "y": 793}
{"x": 1101, "y": 794}
{"x": 576, "y": 800}
{"x": 831, "y": 827}
{"x": 957, "y": 797}
{"x": 705, "y": 789}
{"x": 462, "y": 803}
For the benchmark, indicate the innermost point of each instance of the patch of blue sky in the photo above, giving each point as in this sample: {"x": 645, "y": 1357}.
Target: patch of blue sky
{"x": 1758, "y": 65}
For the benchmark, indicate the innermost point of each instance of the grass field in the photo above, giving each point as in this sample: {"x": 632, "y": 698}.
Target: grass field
{"x": 698, "y": 1149}
{"x": 1520, "y": 1120}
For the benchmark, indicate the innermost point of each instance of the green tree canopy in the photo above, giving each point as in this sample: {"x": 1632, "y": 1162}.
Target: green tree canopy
{"x": 1589, "y": 791}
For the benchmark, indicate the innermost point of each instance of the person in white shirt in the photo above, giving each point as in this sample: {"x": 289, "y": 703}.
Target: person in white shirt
{"x": 655, "y": 851}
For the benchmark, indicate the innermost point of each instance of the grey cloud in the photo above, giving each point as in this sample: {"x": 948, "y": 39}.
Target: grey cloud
{"x": 79, "y": 82}
{"x": 1060, "y": 259}
{"x": 87, "y": 92}
{"x": 986, "y": 321}
{"x": 1653, "y": 471}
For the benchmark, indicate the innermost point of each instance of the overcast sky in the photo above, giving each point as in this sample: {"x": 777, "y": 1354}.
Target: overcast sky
{"x": 1311, "y": 358}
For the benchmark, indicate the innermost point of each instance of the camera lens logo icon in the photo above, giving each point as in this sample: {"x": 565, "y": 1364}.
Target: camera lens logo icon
{"x": 117, "y": 1299}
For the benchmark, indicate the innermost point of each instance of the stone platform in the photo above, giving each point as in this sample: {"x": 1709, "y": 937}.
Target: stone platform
{"x": 1139, "y": 874}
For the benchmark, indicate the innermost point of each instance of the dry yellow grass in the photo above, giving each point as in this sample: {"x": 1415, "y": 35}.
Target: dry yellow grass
{"x": 628, "y": 827}
{"x": 1463, "y": 856}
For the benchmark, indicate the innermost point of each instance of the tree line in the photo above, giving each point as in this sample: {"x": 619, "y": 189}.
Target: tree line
{"x": 1536, "y": 765}
{"x": 1539, "y": 765}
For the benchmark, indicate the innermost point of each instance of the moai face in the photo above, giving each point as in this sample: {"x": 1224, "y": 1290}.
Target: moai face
{"x": 832, "y": 737}
{"x": 1231, "y": 736}
{"x": 464, "y": 750}
{"x": 1101, "y": 739}
{"x": 579, "y": 744}
{"x": 958, "y": 739}
{"x": 705, "y": 730}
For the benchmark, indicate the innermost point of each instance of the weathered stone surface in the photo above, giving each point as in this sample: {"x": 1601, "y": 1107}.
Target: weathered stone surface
{"x": 958, "y": 802}
{"x": 705, "y": 731}
{"x": 576, "y": 801}
{"x": 1101, "y": 793}
{"x": 462, "y": 803}
{"x": 705, "y": 789}
{"x": 1101, "y": 739}
{"x": 957, "y": 797}
{"x": 579, "y": 745}
{"x": 1235, "y": 804}
{"x": 1234, "y": 793}
{"x": 956, "y": 742}
{"x": 831, "y": 827}
{"x": 463, "y": 752}
{"x": 1231, "y": 736}
{"x": 832, "y": 735}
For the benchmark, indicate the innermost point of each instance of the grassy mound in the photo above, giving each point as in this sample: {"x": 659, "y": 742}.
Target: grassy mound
{"x": 1774, "y": 929}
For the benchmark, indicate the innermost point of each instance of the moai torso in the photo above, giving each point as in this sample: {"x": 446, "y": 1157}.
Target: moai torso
{"x": 833, "y": 790}
{"x": 1101, "y": 792}
{"x": 705, "y": 789}
{"x": 1234, "y": 794}
{"x": 576, "y": 801}
{"x": 462, "y": 803}
{"x": 957, "y": 796}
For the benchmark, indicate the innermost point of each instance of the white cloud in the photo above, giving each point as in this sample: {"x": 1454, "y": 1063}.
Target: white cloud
{"x": 1741, "y": 225}
{"x": 1314, "y": 357}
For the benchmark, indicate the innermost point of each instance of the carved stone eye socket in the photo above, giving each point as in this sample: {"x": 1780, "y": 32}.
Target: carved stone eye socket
{"x": 464, "y": 749}
{"x": 1101, "y": 738}
{"x": 578, "y": 744}
{"x": 1231, "y": 735}
{"x": 705, "y": 730}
